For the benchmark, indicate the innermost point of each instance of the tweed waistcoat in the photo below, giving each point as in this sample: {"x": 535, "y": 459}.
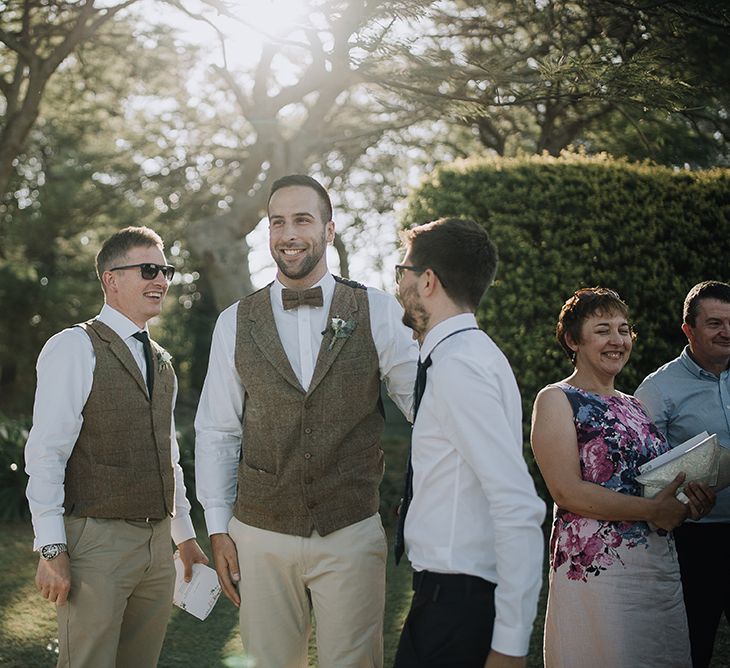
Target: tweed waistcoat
{"x": 311, "y": 460}
{"x": 121, "y": 465}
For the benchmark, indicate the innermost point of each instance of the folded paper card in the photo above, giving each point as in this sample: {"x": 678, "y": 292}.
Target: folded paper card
{"x": 200, "y": 594}
{"x": 701, "y": 458}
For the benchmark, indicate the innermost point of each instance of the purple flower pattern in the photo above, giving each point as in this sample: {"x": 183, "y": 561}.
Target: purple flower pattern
{"x": 615, "y": 437}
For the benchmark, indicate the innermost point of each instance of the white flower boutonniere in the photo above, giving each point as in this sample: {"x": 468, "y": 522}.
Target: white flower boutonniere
{"x": 341, "y": 329}
{"x": 163, "y": 359}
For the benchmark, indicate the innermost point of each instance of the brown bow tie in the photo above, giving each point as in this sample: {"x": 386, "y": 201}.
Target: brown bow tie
{"x": 296, "y": 298}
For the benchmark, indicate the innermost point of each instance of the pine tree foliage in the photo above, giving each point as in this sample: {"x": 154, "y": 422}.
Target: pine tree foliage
{"x": 645, "y": 79}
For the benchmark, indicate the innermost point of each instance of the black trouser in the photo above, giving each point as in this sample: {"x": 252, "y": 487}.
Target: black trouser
{"x": 703, "y": 550}
{"x": 449, "y": 624}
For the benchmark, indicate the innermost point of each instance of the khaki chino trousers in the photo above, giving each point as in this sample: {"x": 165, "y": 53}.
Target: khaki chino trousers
{"x": 122, "y": 579}
{"x": 340, "y": 578}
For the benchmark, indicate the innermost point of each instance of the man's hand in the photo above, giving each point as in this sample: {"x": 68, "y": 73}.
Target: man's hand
{"x": 498, "y": 660}
{"x": 226, "y": 565}
{"x": 701, "y": 499}
{"x": 53, "y": 578}
{"x": 190, "y": 553}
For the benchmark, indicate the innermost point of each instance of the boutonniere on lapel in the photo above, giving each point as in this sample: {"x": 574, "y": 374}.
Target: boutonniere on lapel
{"x": 341, "y": 329}
{"x": 163, "y": 359}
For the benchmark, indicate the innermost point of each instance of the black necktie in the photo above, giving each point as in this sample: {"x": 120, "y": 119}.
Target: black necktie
{"x": 296, "y": 298}
{"x": 418, "y": 390}
{"x": 145, "y": 339}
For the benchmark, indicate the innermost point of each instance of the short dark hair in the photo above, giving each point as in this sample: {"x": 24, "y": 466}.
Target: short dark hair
{"x": 120, "y": 243}
{"x": 459, "y": 252}
{"x": 704, "y": 290}
{"x": 584, "y": 303}
{"x": 325, "y": 204}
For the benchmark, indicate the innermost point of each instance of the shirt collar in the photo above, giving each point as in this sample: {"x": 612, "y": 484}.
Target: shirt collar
{"x": 695, "y": 369}
{"x": 118, "y": 322}
{"x": 327, "y": 283}
{"x": 443, "y": 329}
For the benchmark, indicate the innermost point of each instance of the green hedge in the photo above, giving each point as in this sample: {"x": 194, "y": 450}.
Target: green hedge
{"x": 561, "y": 223}
{"x": 13, "y": 479}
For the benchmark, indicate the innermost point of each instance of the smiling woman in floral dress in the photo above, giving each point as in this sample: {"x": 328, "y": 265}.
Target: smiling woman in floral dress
{"x": 615, "y": 595}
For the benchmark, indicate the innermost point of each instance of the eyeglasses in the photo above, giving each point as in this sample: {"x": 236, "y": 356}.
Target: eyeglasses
{"x": 400, "y": 269}
{"x": 149, "y": 270}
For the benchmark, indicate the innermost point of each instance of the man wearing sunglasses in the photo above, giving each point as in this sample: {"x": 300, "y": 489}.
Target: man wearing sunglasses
{"x": 104, "y": 474}
{"x": 288, "y": 459}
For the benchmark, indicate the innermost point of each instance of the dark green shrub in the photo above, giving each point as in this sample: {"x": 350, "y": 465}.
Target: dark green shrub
{"x": 13, "y": 479}
{"x": 648, "y": 232}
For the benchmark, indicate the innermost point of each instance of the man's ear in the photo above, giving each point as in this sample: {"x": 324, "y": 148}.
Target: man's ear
{"x": 108, "y": 281}
{"x": 427, "y": 282}
{"x": 688, "y": 332}
{"x": 330, "y": 232}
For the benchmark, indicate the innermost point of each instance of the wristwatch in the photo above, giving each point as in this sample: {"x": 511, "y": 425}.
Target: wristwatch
{"x": 49, "y": 552}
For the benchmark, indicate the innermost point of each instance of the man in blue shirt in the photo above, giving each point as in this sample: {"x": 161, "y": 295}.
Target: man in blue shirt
{"x": 684, "y": 397}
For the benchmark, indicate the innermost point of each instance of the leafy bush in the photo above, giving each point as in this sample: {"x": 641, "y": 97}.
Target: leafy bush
{"x": 648, "y": 232}
{"x": 13, "y": 479}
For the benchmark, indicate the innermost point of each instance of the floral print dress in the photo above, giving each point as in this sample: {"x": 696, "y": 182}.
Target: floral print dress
{"x": 615, "y": 597}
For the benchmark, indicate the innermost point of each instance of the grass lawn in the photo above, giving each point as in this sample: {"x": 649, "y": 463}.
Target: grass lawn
{"x": 28, "y": 627}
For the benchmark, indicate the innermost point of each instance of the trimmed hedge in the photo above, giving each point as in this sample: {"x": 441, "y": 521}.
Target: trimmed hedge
{"x": 13, "y": 479}
{"x": 648, "y": 232}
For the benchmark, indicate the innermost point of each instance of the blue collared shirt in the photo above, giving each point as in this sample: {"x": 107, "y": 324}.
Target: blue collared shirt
{"x": 683, "y": 400}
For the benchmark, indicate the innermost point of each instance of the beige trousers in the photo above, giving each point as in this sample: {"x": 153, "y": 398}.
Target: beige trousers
{"x": 340, "y": 577}
{"x": 122, "y": 578}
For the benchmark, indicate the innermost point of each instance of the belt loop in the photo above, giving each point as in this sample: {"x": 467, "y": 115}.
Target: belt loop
{"x": 436, "y": 591}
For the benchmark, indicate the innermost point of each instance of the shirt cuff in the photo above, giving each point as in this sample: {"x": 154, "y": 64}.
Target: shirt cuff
{"x": 510, "y": 641}
{"x": 182, "y": 529}
{"x": 217, "y": 519}
{"x": 48, "y": 530}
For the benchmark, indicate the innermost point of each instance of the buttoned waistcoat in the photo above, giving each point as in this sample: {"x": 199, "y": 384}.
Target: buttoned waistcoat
{"x": 310, "y": 459}
{"x": 121, "y": 464}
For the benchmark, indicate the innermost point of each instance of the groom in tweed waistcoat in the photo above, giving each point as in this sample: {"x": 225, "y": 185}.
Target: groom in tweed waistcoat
{"x": 288, "y": 457}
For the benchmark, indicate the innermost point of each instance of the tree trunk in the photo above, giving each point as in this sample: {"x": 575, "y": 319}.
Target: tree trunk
{"x": 223, "y": 254}
{"x": 16, "y": 130}
{"x": 343, "y": 255}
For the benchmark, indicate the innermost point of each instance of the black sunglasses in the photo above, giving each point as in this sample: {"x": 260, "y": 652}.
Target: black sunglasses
{"x": 400, "y": 269}
{"x": 149, "y": 270}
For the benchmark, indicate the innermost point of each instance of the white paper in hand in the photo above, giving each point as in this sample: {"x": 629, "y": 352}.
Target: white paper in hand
{"x": 200, "y": 594}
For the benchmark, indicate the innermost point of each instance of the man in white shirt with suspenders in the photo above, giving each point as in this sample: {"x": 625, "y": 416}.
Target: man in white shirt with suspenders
{"x": 470, "y": 517}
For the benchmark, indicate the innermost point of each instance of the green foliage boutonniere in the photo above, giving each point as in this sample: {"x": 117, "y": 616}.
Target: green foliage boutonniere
{"x": 341, "y": 329}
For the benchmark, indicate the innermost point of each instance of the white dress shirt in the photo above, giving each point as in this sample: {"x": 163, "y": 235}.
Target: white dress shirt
{"x": 474, "y": 507}
{"x": 65, "y": 371}
{"x": 218, "y": 423}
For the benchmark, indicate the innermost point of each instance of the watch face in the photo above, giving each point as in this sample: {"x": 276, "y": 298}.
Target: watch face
{"x": 51, "y": 551}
